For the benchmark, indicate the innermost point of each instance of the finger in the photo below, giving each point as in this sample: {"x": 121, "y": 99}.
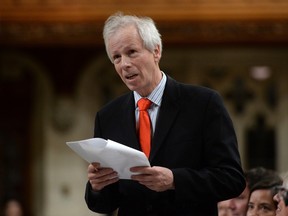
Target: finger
{"x": 99, "y": 173}
{"x": 105, "y": 171}
{"x": 100, "y": 182}
{"x": 100, "y": 186}
{"x": 91, "y": 168}
{"x": 139, "y": 168}
{"x": 102, "y": 178}
{"x": 143, "y": 178}
{"x": 95, "y": 164}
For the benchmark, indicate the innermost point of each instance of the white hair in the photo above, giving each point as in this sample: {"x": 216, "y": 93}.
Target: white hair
{"x": 145, "y": 26}
{"x": 285, "y": 179}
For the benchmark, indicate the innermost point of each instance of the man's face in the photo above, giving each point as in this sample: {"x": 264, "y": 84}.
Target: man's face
{"x": 223, "y": 208}
{"x": 282, "y": 209}
{"x": 137, "y": 66}
{"x": 239, "y": 204}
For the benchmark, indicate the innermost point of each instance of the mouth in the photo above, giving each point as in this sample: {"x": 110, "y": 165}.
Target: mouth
{"x": 131, "y": 77}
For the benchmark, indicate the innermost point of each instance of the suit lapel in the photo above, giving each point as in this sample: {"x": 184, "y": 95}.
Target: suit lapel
{"x": 128, "y": 122}
{"x": 167, "y": 114}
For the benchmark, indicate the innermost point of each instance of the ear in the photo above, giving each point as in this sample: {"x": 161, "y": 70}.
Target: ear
{"x": 157, "y": 53}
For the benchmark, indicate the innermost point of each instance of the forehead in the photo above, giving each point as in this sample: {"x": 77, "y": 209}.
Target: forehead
{"x": 125, "y": 33}
{"x": 261, "y": 195}
{"x": 124, "y": 37}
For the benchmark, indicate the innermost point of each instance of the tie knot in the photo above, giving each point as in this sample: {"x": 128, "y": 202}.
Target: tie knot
{"x": 144, "y": 104}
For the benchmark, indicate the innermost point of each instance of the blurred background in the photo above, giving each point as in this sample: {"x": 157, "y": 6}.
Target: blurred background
{"x": 54, "y": 76}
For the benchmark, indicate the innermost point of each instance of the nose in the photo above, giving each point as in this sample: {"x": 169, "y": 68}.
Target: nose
{"x": 231, "y": 204}
{"x": 276, "y": 198}
{"x": 253, "y": 212}
{"x": 125, "y": 62}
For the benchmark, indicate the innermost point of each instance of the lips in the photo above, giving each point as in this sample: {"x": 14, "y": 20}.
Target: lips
{"x": 132, "y": 76}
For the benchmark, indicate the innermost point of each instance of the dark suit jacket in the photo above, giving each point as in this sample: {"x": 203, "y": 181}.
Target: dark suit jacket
{"x": 194, "y": 137}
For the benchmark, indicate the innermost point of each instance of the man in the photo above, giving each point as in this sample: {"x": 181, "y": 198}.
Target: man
{"x": 238, "y": 205}
{"x": 223, "y": 208}
{"x": 13, "y": 207}
{"x": 254, "y": 176}
{"x": 281, "y": 197}
{"x": 194, "y": 156}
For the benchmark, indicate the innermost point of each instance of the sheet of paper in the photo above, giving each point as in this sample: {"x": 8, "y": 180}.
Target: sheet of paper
{"x": 110, "y": 154}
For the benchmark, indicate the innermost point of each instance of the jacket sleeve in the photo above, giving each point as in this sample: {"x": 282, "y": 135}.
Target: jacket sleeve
{"x": 102, "y": 201}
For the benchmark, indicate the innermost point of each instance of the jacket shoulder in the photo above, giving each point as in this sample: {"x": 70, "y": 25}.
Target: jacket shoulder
{"x": 190, "y": 90}
{"x": 116, "y": 103}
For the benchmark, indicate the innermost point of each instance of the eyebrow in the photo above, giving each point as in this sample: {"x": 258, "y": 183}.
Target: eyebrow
{"x": 266, "y": 205}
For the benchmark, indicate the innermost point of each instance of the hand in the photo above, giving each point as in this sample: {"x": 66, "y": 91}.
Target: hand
{"x": 100, "y": 177}
{"x": 155, "y": 178}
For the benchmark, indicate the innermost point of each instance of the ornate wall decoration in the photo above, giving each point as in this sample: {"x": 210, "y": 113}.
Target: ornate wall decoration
{"x": 201, "y": 21}
{"x": 186, "y": 33}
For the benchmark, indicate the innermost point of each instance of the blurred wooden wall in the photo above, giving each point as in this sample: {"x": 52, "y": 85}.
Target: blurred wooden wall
{"x": 80, "y": 22}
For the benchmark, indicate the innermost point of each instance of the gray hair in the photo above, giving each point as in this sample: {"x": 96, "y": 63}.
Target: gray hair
{"x": 145, "y": 26}
{"x": 285, "y": 180}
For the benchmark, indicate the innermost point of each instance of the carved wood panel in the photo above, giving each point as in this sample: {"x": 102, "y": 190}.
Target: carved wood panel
{"x": 183, "y": 21}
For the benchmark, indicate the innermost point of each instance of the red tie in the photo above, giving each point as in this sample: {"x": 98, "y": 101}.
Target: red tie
{"x": 144, "y": 125}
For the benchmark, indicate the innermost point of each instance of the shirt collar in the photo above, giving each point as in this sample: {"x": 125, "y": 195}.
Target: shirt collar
{"x": 156, "y": 95}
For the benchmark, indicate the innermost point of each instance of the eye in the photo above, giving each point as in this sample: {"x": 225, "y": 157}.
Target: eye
{"x": 250, "y": 206}
{"x": 116, "y": 59}
{"x": 131, "y": 52}
{"x": 265, "y": 208}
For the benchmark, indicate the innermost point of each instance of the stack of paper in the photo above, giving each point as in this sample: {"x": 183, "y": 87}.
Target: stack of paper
{"x": 110, "y": 154}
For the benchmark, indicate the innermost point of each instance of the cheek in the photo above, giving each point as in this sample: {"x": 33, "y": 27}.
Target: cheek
{"x": 243, "y": 204}
{"x": 146, "y": 65}
{"x": 118, "y": 70}
{"x": 282, "y": 205}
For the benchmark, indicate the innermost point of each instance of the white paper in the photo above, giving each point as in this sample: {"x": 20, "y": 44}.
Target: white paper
{"x": 110, "y": 154}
